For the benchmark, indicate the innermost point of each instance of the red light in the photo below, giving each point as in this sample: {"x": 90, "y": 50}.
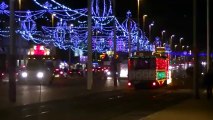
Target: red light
{"x": 56, "y": 69}
{"x": 129, "y": 84}
{"x": 39, "y": 50}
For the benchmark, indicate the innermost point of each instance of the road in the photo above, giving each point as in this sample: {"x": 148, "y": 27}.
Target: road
{"x": 73, "y": 102}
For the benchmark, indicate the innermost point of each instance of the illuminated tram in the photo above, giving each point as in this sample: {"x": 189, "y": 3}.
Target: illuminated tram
{"x": 39, "y": 68}
{"x": 149, "y": 69}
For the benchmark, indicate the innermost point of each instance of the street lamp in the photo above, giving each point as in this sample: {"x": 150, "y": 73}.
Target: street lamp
{"x": 19, "y": 4}
{"x": 187, "y": 47}
{"x": 175, "y": 53}
{"x": 183, "y": 47}
{"x": 170, "y": 42}
{"x": 138, "y": 13}
{"x": 150, "y": 27}
{"x": 138, "y": 44}
{"x": 144, "y": 18}
{"x": 162, "y": 34}
{"x": 53, "y": 15}
{"x": 181, "y": 41}
{"x": 176, "y": 46}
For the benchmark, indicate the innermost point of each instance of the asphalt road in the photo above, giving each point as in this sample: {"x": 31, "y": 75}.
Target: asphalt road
{"x": 73, "y": 102}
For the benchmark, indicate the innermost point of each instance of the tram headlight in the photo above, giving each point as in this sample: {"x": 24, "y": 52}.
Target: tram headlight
{"x": 24, "y": 74}
{"x": 40, "y": 75}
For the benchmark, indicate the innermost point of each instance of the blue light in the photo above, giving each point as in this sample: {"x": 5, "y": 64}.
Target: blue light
{"x": 70, "y": 27}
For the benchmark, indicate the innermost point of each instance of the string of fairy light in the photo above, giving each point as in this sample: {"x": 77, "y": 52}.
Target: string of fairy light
{"x": 70, "y": 27}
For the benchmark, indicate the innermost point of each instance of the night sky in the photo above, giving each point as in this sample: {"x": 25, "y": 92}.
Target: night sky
{"x": 174, "y": 16}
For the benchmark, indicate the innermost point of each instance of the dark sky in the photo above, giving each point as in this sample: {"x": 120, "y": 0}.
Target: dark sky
{"x": 175, "y": 16}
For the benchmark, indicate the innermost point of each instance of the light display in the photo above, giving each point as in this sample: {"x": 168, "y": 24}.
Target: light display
{"x": 39, "y": 50}
{"x": 70, "y": 28}
{"x": 161, "y": 75}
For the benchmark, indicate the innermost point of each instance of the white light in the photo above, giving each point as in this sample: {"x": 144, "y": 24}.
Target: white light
{"x": 24, "y": 74}
{"x": 170, "y": 67}
{"x": 124, "y": 73}
{"x": 169, "y": 79}
{"x": 108, "y": 73}
{"x": 41, "y": 47}
{"x": 129, "y": 84}
{"x": 40, "y": 75}
{"x": 154, "y": 84}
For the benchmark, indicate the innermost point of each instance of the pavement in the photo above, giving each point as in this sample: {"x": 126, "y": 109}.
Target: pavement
{"x": 193, "y": 109}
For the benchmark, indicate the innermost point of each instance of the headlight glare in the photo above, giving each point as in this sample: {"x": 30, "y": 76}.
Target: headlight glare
{"x": 24, "y": 74}
{"x": 40, "y": 74}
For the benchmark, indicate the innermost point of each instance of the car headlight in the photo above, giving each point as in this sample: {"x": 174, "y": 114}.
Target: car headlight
{"x": 40, "y": 75}
{"x": 24, "y": 74}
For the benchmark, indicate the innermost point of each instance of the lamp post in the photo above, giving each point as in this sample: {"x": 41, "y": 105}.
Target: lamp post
{"x": 89, "y": 42}
{"x": 12, "y": 54}
{"x": 175, "y": 47}
{"x": 69, "y": 50}
{"x": 138, "y": 13}
{"x": 181, "y": 41}
{"x": 162, "y": 34}
{"x": 19, "y": 4}
{"x": 183, "y": 47}
{"x": 150, "y": 30}
{"x": 138, "y": 44}
{"x": 144, "y": 22}
{"x": 170, "y": 42}
{"x": 208, "y": 35}
{"x": 175, "y": 53}
{"x": 53, "y": 15}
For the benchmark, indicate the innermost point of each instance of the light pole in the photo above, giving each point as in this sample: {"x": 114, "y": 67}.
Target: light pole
{"x": 181, "y": 41}
{"x": 19, "y": 4}
{"x": 139, "y": 13}
{"x": 89, "y": 47}
{"x": 138, "y": 44}
{"x": 150, "y": 30}
{"x": 144, "y": 22}
{"x": 162, "y": 35}
{"x": 170, "y": 42}
{"x": 53, "y": 15}
{"x": 175, "y": 53}
{"x": 175, "y": 47}
{"x": 208, "y": 35}
{"x": 183, "y": 47}
{"x": 12, "y": 54}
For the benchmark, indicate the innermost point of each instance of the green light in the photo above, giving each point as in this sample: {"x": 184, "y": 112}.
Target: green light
{"x": 161, "y": 75}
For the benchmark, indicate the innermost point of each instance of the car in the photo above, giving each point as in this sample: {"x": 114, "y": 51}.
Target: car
{"x": 73, "y": 72}
{"x": 36, "y": 72}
